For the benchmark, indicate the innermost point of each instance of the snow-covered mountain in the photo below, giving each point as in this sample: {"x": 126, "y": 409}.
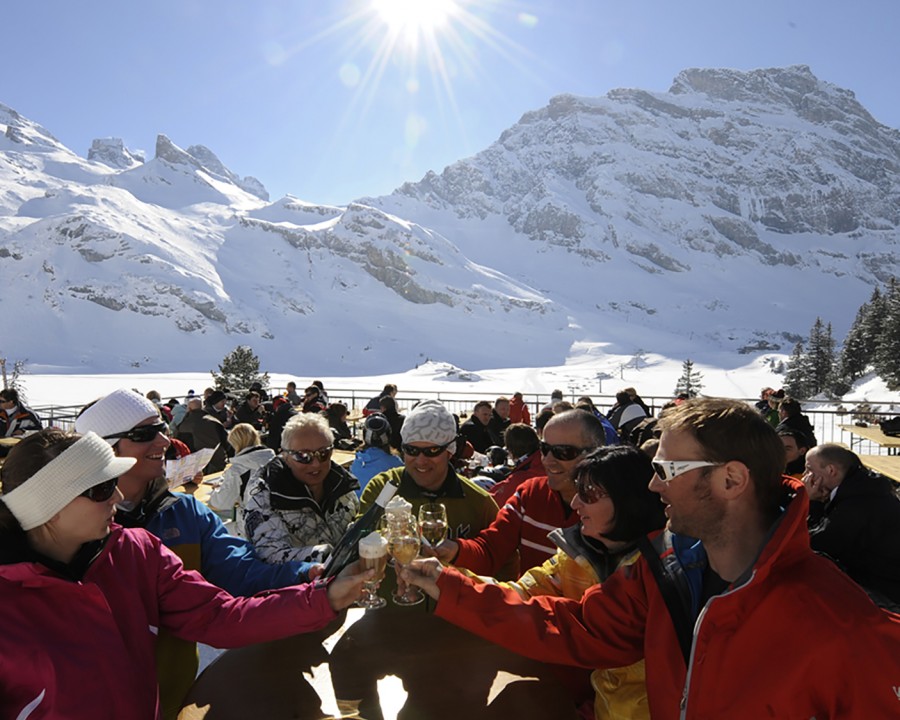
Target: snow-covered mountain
{"x": 718, "y": 218}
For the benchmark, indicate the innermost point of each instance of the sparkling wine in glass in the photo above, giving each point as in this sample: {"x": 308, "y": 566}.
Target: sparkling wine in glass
{"x": 403, "y": 545}
{"x": 373, "y": 554}
{"x": 433, "y": 523}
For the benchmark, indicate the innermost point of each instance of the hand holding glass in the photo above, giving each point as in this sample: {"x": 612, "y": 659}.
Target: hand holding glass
{"x": 373, "y": 551}
{"x": 403, "y": 544}
{"x": 433, "y": 523}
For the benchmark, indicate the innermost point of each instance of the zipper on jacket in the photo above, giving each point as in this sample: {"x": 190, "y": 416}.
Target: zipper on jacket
{"x": 697, "y": 624}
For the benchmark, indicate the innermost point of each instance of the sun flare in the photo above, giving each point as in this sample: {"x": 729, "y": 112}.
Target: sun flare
{"x": 414, "y": 17}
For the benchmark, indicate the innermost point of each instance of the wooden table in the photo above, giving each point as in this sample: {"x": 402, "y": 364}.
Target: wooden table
{"x": 887, "y": 465}
{"x": 873, "y": 434}
{"x": 445, "y": 672}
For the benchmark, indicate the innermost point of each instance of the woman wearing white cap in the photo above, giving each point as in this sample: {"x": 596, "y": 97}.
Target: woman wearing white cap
{"x": 84, "y": 599}
{"x": 132, "y": 426}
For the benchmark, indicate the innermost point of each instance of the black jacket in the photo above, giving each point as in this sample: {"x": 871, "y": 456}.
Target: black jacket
{"x": 860, "y": 529}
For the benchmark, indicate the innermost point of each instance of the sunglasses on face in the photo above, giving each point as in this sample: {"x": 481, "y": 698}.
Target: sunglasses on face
{"x": 305, "y": 457}
{"x": 668, "y": 470}
{"x": 139, "y": 434}
{"x": 589, "y": 493}
{"x": 431, "y": 452}
{"x": 562, "y": 452}
{"x": 102, "y": 492}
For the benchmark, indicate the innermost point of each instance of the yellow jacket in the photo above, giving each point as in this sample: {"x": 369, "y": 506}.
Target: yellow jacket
{"x": 620, "y": 693}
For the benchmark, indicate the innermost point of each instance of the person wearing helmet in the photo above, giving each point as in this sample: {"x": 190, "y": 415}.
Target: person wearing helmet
{"x": 375, "y": 456}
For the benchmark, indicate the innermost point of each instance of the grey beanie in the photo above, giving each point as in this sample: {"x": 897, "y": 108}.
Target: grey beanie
{"x": 431, "y": 422}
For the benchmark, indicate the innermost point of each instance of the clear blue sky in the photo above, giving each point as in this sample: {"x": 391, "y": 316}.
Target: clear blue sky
{"x": 329, "y": 100}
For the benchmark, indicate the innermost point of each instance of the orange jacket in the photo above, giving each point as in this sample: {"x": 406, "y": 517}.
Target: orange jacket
{"x": 797, "y": 639}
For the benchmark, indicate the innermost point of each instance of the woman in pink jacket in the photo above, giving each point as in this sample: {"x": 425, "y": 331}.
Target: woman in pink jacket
{"x": 84, "y": 599}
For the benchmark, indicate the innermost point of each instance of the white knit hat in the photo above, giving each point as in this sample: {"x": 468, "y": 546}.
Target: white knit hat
{"x": 429, "y": 421}
{"x": 118, "y": 412}
{"x": 90, "y": 461}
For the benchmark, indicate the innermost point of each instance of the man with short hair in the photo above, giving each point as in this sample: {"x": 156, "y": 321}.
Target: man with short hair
{"x": 499, "y": 421}
{"x": 252, "y": 412}
{"x": 475, "y": 429}
{"x": 855, "y": 519}
{"x": 429, "y": 441}
{"x": 537, "y": 506}
{"x": 796, "y": 444}
{"x": 733, "y": 613}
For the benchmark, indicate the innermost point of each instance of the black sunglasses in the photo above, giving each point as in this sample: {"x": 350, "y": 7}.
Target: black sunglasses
{"x": 562, "y": 452}
{"x": 305, "y": 457}
{"x": 589, "y": 493}
{"x": 430, "y": 452}
{"x": 139, "y": 434}
{"x": 102, "y": 492}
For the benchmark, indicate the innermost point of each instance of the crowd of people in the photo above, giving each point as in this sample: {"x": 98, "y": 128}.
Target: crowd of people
{"x": 671, "y": 554}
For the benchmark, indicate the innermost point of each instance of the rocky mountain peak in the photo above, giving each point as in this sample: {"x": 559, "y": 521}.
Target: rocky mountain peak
{"x": 113, "y": 153}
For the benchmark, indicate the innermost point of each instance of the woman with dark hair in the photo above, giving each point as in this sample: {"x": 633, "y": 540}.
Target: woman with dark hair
{"x": 616, "y": 509}
{"x": 389, "y": 410}
{"x": 84, "y": 598}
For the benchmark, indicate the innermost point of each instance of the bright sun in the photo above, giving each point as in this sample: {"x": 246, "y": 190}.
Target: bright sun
{"x": 414, "y": 17}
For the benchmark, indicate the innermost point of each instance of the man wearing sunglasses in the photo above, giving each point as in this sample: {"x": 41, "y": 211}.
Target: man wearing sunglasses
{"x": 538, "y": 505}
{"x": 429, "y": 435}
{"x": 132, "y": 425}
{"x": 734, "y": 614}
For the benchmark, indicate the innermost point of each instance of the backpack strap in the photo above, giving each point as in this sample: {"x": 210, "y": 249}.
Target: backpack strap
{"x": 668, "y": 588}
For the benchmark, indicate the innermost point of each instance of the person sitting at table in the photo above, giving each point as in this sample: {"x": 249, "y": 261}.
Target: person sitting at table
{"x": 312, "y": 400}
{"x": 249, "y": 456}
{"x": 200, "y": 429}
{"x": 374, "y": 405}
{"x": 499, "y": 421}
{"x": 616, "y": 511}
{"x": 524, "y": 446}
{"x": 301, "y": 503}
{"x": 388, "y": 407}
{"x": 475, "y": 429}
{"x": 518, "y": 410}
{"x": 429, "y": 441}
{"x": 291, "y": 394}
{"x": 336, "y": 414}
{"x": 252, "y": 412}
{"x": 15, "y": 418}
{"x": 538, "y": 505}
{"x": 133, "y": 427}
{"x": 790, "y": 415}
{"x": 83, "y": 597}
{"x": 854, "y": 519}
{"x": 796, "y": 445}
{"x": 375, "y": 456}
{"x": 282, "y": 412}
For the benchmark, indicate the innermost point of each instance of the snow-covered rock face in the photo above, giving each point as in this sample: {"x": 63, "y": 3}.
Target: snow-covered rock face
{"x": 725, "y": 214}
{"x": 112, "y": 152}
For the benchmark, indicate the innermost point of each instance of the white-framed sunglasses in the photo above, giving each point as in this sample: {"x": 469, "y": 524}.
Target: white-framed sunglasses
{"x": 668, "y": 470}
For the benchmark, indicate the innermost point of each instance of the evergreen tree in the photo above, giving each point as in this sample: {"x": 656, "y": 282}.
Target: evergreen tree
{"x": 876, "y": 311}
{"x": 238, "y": 370}
{"x": 855, "y": 357}
{"x": 887, "y": 357}
{"x": 820, "y": 358}
{"x": 796, "y": 377}
{"x": 690, "y": 381}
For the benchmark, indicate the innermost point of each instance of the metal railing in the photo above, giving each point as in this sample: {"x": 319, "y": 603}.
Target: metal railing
{"x": 825, "y": 421}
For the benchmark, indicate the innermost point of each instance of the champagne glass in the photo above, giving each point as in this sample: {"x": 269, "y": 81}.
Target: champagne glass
{"x": 433, "y": 523}
{"x": 403, "y": 545}
{"x": 373, "y": 553}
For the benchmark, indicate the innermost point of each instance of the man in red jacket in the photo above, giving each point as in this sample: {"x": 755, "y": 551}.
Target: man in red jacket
{"x": 538, "y": 505}
{"x": 734, "y": 614}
